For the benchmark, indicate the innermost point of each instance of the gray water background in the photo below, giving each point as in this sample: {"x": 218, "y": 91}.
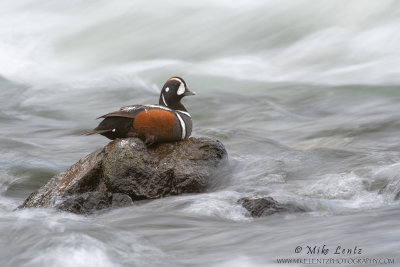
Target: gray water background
{"x": 304, "y": 95}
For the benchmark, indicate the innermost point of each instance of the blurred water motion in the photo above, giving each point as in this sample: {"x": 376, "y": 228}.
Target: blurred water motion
{"x": 305, "y": 96}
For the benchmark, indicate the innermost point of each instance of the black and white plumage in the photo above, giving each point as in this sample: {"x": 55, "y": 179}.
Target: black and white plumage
{"x": 167, "y": 121}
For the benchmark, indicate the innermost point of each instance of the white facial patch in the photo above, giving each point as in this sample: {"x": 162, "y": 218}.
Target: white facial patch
{"x": 181, "y": 89}
{"x": 167, "y": 89}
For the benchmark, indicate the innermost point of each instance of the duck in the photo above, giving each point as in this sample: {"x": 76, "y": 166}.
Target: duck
{"x": 166, "y": 122}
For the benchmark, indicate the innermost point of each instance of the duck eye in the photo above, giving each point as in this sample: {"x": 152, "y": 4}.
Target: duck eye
{"x": 167, "y": 89}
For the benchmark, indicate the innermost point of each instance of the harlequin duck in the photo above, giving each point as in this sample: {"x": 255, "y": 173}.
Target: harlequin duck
{"x": 167, "y": 121}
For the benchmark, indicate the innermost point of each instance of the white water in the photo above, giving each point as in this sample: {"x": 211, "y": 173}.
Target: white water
{"x": 330, "y": 42}
{"x": 305, "y": 96}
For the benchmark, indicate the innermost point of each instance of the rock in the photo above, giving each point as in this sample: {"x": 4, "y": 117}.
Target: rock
{"x": 125, "y": 171}
{"x": 121, "y": 200}
{"x": 85, "y": 203}
{"x": 265, "y": 206}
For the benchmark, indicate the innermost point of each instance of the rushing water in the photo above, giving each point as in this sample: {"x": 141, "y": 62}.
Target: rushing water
{"x": 305, "y": 95}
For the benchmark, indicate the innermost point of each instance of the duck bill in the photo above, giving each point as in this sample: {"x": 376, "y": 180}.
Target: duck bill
{"x": 188, "y": 92}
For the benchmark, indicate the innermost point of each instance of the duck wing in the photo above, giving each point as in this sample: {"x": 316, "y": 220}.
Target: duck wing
{"x": 125, "y": 112}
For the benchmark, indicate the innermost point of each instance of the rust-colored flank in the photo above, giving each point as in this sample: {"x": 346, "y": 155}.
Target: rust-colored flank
{"x": 155, "y": 122}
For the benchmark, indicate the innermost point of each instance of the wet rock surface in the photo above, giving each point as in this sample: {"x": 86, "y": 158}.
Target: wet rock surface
{"x": 265, "y": 206}
{"x": 125, "y": 171}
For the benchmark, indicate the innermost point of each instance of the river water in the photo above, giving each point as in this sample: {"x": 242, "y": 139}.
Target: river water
{"x": 305, "y": 95}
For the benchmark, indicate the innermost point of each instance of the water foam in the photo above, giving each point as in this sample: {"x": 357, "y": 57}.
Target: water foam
{"x": 222, "y": 204}
{"x": 342, "y": 191}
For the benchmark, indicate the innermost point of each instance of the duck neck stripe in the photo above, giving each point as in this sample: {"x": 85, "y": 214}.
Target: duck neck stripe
{"x": 163, "y": 99}
{"x": 158, "y": 106}
{"x": 184, "y": 112}
{"x": 183, "y": 126}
